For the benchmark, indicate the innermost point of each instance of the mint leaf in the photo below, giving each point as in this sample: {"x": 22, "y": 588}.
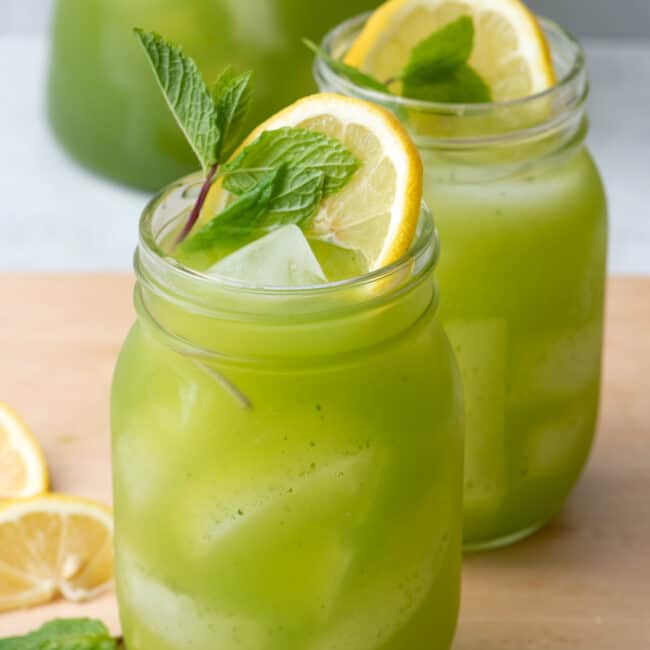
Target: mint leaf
{"x": 352, "y": 74}
{"x": 438, "y": 70}
{"x": 240, "y": 218}
{"x": 281, "y": 178}
{"x": 297, "y": 197}
{"x": 288, "y": 194}
{"x": 441, "y": 52}
{"x": 187, "y": 95}
{"x": 64, "y": 634}
{"x": 459, "y": 85}
{"x": 301, "y": 149}
{"x": 231, "y": 94}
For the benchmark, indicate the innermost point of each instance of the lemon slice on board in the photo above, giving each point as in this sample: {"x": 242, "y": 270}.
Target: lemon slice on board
{"x": 51, "y": 545}
{"x": 510, "y": 50}
{"x": 377, "y": 212}
{"x": 23, "y": 471}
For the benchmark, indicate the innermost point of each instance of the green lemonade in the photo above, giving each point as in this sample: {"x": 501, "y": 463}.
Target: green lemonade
{"x": 104, "y": 104}
{"x": 524, "y": 283}
{"x": 523, "y": 224}
{"x": 287, "y": 463}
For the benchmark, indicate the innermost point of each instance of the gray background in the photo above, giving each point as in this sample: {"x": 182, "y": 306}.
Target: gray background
{"x": 599, "y": 18}
{"x": 54, "y": 214}
{"x": 587, "y": 18}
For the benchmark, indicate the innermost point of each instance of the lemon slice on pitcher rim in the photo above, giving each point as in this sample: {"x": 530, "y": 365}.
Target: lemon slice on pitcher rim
{"x": 51, "y": 545}
{"x": 23, "y": 471}
{"x": 377, "y": 212}
{"x": 510, "y": 50}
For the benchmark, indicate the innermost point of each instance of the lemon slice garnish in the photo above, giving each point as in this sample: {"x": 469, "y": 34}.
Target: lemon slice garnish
{"x": 377, "y": 212}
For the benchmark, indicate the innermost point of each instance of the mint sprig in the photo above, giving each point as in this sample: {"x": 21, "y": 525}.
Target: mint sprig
{"x": 441, "y": 52}
{"x": 65, "y": 634}
{"x": 210, "y": 119}
{"x": 280, "y": 178}
{"x": 437, "y": 70}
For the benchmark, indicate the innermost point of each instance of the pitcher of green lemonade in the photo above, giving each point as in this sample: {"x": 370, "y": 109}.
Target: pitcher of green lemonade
{"x": 104, "y": 105}
{"x": 522, "y": 217}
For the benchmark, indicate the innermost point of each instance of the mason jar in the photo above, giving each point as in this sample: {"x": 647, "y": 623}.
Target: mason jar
{"x": 522, "y": 216}
{"x": 287, "y": 463}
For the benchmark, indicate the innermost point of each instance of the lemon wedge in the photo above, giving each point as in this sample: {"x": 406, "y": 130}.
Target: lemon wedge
{"x": 510, "y": 50}
{"x": 23, "y": 471}
{"x": 377, "y": 212}
{"x": 51, "y": 545}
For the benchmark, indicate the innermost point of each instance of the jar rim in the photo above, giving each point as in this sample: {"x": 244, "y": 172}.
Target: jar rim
{"x": 152, "y": 264}
{"x": 322, "y": 70}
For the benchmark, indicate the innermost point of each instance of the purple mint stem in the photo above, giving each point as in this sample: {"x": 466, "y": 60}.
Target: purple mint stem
{"x": 196, "y": 210}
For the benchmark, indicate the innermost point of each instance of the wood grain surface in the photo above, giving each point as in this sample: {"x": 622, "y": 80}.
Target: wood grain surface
{"x": 583, "y": 583}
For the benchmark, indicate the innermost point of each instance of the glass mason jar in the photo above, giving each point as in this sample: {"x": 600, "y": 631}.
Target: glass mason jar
{"x": 522, "y": 218}
{"x": 104, "y": 103}
{"x": 287, "y": 463}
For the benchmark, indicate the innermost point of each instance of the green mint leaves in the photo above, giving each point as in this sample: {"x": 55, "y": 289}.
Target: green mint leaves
{"x": 187, "y": 95}
{"x": 437, "y": 70}
{"x": 70, "y": 634}
{"x": 232, "y": 95}
{"x": 441, "y": 52}
{"x": 302, "y": 149}
{"x": 211, "y": 119}
{"x": 349, "y": 72}
{"x": 240, "y": 219}
{"x": 280, "y": 179}
{"x": 461, "y": 85}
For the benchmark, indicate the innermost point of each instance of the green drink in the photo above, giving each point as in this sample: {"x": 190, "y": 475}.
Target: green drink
{"x": 287, "y": 463}
{"x": 104, "y": 105}
{"x": 287, "y": 417}
{"x": 522, "y": 218}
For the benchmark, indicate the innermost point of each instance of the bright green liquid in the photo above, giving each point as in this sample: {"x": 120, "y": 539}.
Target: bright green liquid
{"x": 522, "y": 284}
{"x": 315, "y": 503}
{"x": 105, "y": 105}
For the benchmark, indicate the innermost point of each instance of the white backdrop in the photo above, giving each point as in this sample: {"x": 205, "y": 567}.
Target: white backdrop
{"x": 54, "y": 214}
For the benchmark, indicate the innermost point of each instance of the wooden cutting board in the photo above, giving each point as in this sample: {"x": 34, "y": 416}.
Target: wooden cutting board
{"x": 583, "y": 583}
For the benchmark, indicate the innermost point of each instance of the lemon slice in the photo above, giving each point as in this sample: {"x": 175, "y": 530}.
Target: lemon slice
{"x": 51, "y": 545}
{"x": 510, "y": 50}
{"x": 377, "y": 212}
{"x": 23, "y": 471}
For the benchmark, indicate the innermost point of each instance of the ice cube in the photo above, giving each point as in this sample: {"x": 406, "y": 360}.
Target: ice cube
{"x": 302, "y": 513}
{"x": 558, "y": 444}
{"x": 384, "y": 596}
{"x": 481, "y": 349}
{"x": 161, "y": 617}
{"x": 555, "y": 364}
{"x": 282, "y": 258}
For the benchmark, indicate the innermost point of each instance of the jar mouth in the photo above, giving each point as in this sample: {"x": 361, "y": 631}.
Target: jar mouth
{"x": 154, "y": 266}
{"x": 565, "y": 97}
